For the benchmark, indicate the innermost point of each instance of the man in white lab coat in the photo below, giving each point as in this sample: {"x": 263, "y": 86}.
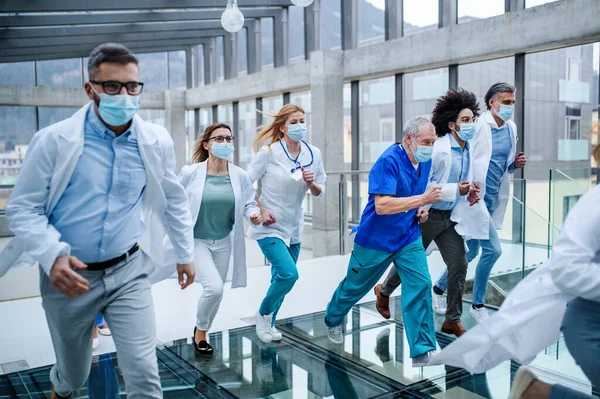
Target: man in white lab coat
{"x": 92, "y": 186}
{"x": 493, "y": 158}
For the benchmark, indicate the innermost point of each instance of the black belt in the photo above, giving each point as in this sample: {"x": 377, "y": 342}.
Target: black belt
{"x": 111, "y": 262}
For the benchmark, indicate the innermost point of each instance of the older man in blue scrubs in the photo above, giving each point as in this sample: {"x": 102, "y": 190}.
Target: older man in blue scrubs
{"x": 389, "y": 233}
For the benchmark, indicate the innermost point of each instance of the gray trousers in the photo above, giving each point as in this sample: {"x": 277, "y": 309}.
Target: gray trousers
{"x": 440, "y": 228}
{"x": 123, "y": 295}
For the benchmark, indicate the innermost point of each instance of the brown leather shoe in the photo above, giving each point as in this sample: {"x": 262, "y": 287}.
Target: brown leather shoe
{"x": 383, "y": 303}
{"x": 453, "y": 328}
{"x": 57, "y": 396}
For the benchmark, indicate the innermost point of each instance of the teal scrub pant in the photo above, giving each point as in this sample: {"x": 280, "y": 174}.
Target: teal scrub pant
{"x": 284, "y": 272}
{"x": 366, "y": 268}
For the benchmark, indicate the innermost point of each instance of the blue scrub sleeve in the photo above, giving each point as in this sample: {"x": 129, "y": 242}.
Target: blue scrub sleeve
{"x": 383, "y": 177}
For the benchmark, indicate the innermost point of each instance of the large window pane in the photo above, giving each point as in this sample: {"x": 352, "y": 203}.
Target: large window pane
{"x": 205, "y": 120}
{"x": 153, "y": 71}
{"x": 156, "y": 116}
{"x": 302, "y": 98}
{"x": 50, "y": 115}
{"x": 470, "y": 10}
{"x": 421, "y": 90}
{"x": 220, "y": 59}
{"x": 480, "y": 76}
{"x": 177, "y": 70}
{"x": 242, "y": 51}
{"x": 271, "y": 106}
{"x": 246, "y": 131}
{"x": 420, "y": 15}
{"x": 377, "y": 119}
{"x": 17, "y": 127}
{"x": 190, "y": 128}
{"x": 296, "y": 34}
{"x": 347, "y": 126}
{"x": 59, "y": 73}
{"x": 371, "y": 22}
{"x": 17, "y": 73}
{"x": 331, "y": 25}
{"x": 267, "y": 43}
{"x": 225, "y": 114}
{"x": 200, "y": 64}
{"x": 559, "y": 109}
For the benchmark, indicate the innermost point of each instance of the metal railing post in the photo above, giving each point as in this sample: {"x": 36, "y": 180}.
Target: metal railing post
{"x": 343, "y": 212}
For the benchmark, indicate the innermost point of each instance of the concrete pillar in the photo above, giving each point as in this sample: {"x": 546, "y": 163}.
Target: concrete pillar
{"x": 175, "y": 123}
{"x": 327, "y": 104}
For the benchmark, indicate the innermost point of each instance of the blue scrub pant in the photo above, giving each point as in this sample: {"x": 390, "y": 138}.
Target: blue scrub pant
{"x": 284, "y": 272}
{"x": 100, "y": 320}
{"x": 366, "y": 268}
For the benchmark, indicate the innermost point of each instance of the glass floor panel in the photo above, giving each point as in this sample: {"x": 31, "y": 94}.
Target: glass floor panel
{"x": 373, "y": 362}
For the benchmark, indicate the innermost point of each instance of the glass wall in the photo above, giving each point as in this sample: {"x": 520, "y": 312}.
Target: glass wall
{"x": 421, "y": 90}
{"x": 156, "y": 116}
{"x": 205, "y": 120}
{"x": 377, "y": 119}
{"x": 220, "y": 59}
{"x": 267, "y": 43}
{"x": 420, "y": 15}
{"x": 242, "y": 51}
{"x": 17, "y": 127}
{"x": 331, "y": 25}
{"x": 225, "y": 114}
{"x": 59, "y": 73}
{"x": 371, "y": 22}
{"x": 296, "y": 34}
{"x": 246, "y": 131}
{"x": 190, "y": 127}
{"x": 347, "y": 126}
{"x": 271, "y": 106}
{"x": 177, "y": 70}
{"x": 153, "y": 71}
{"x": 200, "y": 64}
{"x": 17, "y": 73}
{"x": 480, "y": 76}
{"x": 471, "y": 10}
{"x": 50, "y": 115}
{"x": 302, "y": 98}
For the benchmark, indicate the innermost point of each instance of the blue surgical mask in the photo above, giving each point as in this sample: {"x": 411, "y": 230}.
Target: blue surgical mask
{"x": 297, "y": 131}
{"x": 505, "y": 112}
{"x": 222, "y": 150}
{"x": 423, "y": 153}
{"x": 119, "y": 109}
{"x": 466, "y": 132}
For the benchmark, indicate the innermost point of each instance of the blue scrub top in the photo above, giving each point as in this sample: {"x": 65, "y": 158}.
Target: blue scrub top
{"x": 393, "y": 174}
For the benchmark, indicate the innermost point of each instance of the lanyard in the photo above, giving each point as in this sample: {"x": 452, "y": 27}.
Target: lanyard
{"x": 295, "y": 161}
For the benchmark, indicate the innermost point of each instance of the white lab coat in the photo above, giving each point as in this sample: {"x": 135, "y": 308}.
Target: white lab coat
{"x": 193, "y": 178}
{"x": 477, "y": 223}
{"x": 530, "y": 318}
{"x": 440, "y": 171}
{"x": 51, "y": 159}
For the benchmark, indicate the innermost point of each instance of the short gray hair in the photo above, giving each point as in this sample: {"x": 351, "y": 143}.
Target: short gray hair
{"x": 414, "y": 125}
{"x": 109, "y": 52}
{"x": 496, "y": 89}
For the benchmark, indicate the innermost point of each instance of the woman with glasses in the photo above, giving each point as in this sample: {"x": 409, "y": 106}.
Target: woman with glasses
{"x": 287, "y": 168}
{"x": 454, "y": 119}
{"x": 220, "y": 196}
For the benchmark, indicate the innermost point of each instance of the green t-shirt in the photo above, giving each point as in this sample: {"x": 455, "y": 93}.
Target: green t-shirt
{"x": 217, "y": 211}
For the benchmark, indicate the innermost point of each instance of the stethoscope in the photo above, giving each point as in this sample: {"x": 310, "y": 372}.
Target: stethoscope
{"x": 295, "y": 161}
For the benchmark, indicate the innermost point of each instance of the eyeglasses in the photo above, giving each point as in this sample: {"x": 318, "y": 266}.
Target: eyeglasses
{"x": 112, "y": 87}
{"x": 221, "y": 139}
{"x": 467, "y": 119}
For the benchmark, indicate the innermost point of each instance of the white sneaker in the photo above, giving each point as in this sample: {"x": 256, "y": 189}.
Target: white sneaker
{"x": 422, "y": 360}
{"x": 439, "y": 303}
{"x": 335, "y": 334}
{"x": 523, "y": 379}
{"x": 480, "y": 314}
{"x": 94, "y": 343}
{"x": 276, "y": 334}
{"x": 263, "y": 327}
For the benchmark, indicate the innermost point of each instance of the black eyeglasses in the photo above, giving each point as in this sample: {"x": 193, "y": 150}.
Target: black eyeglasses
{"x": 112, "y": 87}
{"x": 221, "y": 139}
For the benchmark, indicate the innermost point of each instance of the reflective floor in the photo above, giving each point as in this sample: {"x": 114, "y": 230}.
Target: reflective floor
{"x": 373, "y": 362}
